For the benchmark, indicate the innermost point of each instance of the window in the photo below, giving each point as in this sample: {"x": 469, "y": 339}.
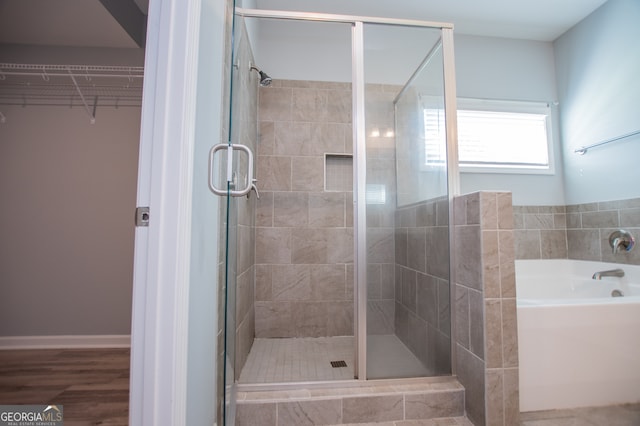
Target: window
{"x": 494, "y": 136}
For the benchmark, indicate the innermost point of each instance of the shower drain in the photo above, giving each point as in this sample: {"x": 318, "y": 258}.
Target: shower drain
{"x": 338, "y": 364}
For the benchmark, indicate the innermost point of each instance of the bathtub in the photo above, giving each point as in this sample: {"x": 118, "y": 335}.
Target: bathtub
{"x": 578, "y": 346}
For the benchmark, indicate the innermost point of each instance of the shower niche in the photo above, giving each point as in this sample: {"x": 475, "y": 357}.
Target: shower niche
{"x": 338, "y": 172}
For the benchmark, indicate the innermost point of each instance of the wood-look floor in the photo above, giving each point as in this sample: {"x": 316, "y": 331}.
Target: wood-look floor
{"x": 91, "y": 384}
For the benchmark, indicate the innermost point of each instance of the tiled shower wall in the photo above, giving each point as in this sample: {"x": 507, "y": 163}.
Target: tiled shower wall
{"x": 422, "y": 314}
{"x": 579, "y": 231}
{"x": 304, "y": 233}
{"x": 485, "y": 307}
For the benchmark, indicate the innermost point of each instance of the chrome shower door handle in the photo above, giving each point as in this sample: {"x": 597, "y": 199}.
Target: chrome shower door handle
{"x": 230, "y": 174}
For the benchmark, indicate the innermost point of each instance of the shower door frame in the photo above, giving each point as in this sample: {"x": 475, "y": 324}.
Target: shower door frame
{"x": 359, "y": 151}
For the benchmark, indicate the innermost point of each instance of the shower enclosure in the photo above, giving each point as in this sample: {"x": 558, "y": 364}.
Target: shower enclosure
{"x": 337, "y": 255}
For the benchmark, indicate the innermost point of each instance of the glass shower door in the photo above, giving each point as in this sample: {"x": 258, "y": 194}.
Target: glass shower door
{"x": 232, "y": 171}
{"x": 407, "y": 204}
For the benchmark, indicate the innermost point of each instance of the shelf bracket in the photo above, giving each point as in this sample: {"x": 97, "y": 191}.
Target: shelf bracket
{"x": 84, "y": 102}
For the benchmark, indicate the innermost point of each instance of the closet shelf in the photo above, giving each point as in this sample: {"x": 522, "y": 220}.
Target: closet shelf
{"x": 88, "y": 86}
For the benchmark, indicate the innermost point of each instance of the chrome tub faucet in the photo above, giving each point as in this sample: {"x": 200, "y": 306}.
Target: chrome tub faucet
{"x": 609, "y": 273}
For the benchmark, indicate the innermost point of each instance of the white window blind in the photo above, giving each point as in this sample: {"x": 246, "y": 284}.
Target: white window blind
{"x": 494, "y": 134}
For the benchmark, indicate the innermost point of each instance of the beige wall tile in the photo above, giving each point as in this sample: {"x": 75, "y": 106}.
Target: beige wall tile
{"x": 495, "y": 398}
{"x": 409, "y": 291}
{"x": 318, "y": 412}
{"x": 444, "y": 307}
{"x": 291, "y": 282}
{"x": 507, "y": 265}
{"x": 339, "y": 106}
{"x": 401, "y": 236}
{"x": 471, "y": 373}
{"x": 309, "y": 246}
{"x": 509, "y": 333}
{"x": 327, "y": 209}
{"x": 380, "y": 243}
{"x": 307, "y": 174}
{"x": 266, "y": 138}
{"x": 274, "y": 104}
{"x": 291, "y": 138}
{"x": 438, "y": 251}
{"x": 387, "y": 281}
{"x": 274, "y": 173}
{"x": 339, "y": 244}
{"x": 309, "y": 105}
{"x": 468, "y": 256}
{"x": 511, "y": 396}
{"x": 489, "y": 210}
{"x": 328, "y": 138}
{"x": 401, "y": 322}
{"x": 584, "y": 244}
{"x": 434, "y": 405}
{"x": 539, "y": 221}
{"x": 472, "y": 202}
{"x": 273, "y": 319}
{"x": 527, "y": 243}
{"x": 553, "y": 244}
{"x": 493, "y": 330}
{"x": 372, "y": 409}
{"x": 490, "y": 263}
{"x": 417, "y": 249}
{"x": 505, "y": 210}
{"x": 477, "y": 318}
{"x": 380, "y": 316}
{"x": 601, "y": 219}
{"x": 263, "y": 283}
{"x": 328, "y": 282}
{"x": 310, "y": 319}
{"x": 273, "y": 245}
{"x": 462, "y": 316}
{"x": 264, "y": 209}
{"x": 340, "y": 319}
{"x": 256, "y": 414}
{"x": 427, "y": 298}
{"x": 290, "y": 209}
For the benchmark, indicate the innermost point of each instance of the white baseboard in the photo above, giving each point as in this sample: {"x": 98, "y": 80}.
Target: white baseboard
{"x": 65, "y": 342}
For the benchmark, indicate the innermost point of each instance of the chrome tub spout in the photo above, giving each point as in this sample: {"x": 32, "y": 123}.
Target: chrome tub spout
{"x": 609, "y": 273}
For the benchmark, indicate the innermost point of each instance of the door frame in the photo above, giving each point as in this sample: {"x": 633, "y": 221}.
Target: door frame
{"x": 162, "y": 255}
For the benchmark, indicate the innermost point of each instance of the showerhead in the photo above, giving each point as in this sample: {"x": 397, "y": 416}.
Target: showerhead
{"x": 265, "y": 80}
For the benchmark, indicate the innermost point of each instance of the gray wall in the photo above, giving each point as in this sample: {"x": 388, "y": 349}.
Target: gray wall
{"x": 68, "y": 193}
{"x": 498, "y": 68}
{"x": 66, "y": 223}
{"x": 597, "y": 66}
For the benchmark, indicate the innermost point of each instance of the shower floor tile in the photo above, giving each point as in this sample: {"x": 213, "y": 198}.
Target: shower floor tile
{"x": 309, "y": 359}
{"x": 298, "y": 360}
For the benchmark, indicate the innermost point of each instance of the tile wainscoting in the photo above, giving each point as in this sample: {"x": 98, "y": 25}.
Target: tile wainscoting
{"x": 577, "y": 231}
